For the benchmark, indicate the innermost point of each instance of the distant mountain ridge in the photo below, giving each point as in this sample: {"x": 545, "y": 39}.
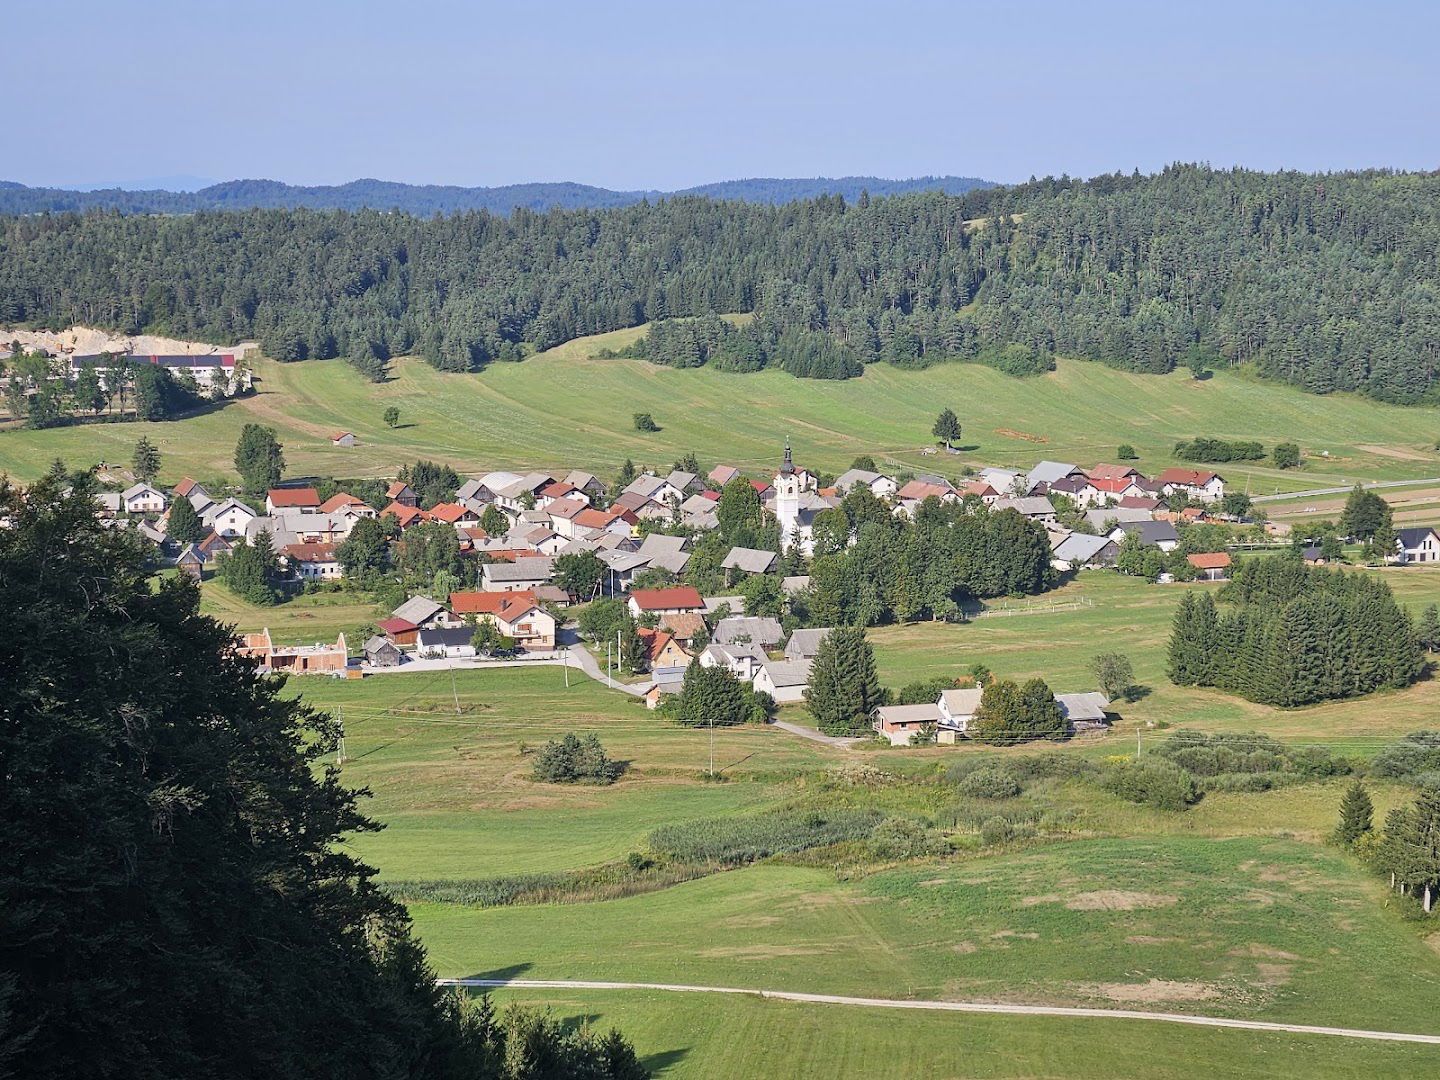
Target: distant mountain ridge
{"x": 438, "y": 198}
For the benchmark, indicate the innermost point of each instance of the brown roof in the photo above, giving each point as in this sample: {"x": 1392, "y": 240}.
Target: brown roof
{"x": 309, "y": 552}
{"x": 1111, "y": 472}
{"x": 684, "y": 625}
{"x": 395, "y": 489}
{"x": 185, "y": 487}
{"x": 1190, "y": 477}
{"x": 505, "y": 606}
{"x": 339, "y": 501}
{"x": 406, "y": 515}
{"x": 450, "y": 512}
{"x": 1112, "y": 484}
{"x": 1214, "y": 561}
{"x": 306, "y": 496}
{"x": 920, "y": 489}
{"x": 600, "y": 519}
{"x": 680, "y": 596}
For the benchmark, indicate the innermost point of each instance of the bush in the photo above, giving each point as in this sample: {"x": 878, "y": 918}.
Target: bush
{"x": 1153, "y": 781}
{"x": 902, "y": 838}
{"x": 645, "y": 422}
{"x": 998, "y": 830}
{"x": 1418, "y": 752}
{"x": 990, "y": 783}
{"x": 573, "y": 760}
{"x": 1203, "y": 448}
{"x": 1248, "y": 752}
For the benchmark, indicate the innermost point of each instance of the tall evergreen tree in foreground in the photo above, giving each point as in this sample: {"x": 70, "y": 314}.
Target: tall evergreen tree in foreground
{"x": 173, "y": 899}
{"x": 844, "y": 689}
{"x": 145, "y": 461}
{"x": 1357, "y": 814}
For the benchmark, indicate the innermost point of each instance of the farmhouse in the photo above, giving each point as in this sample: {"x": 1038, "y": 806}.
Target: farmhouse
{"x": 1159, "y": 534}
{"x": 423, "y": 613}
{"x": 672, "y": 601}
{"x": 1035, "y": 507}
{"x": 1077, "y": 550}
{"x": 143, "y": 499}
{"x": 343, "y": 438}
{"x": 401, "y": 492}
{"x": 229, "y": 518}
{"x": 663, "y": 652}
{"x": 381, "y": 652}
{"x": 741, "y": 659}
{"x": 899, "y": 722}
{"x": 784, "y": 680}
{"x": 515, "y": 614}
{"x": 880, "y": 485}
{"x": 445, "y": 643}
{"x": 312, "y": 562}
{"x": 301, "y": 498}
{"x": 1084, "y": 712}
{"x": 957, "y": 708}
{"x": 517, "y": 576}
{"x": 1199, "y": 484}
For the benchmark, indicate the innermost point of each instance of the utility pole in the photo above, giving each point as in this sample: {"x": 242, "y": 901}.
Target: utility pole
{"x": 607, "y": 665}
{"x": 565, "y": 663}
{"x": 712, "y": 748}
{"x": 1139, "y": 734}
{"x": 453, "y": 691}
{"x": 340, "y": 745}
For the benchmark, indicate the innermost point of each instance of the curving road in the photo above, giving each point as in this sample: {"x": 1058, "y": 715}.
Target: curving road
{"x": 1342, "y": 490}
{"x": 958, "y": 1006}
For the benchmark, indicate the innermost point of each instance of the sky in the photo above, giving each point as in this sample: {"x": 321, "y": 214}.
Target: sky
{"x": 635, "y": 94}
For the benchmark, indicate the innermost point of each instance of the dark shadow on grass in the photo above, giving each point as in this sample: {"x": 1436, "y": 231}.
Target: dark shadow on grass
{"x": 1137, "y": 693}
{"x": 659, "y": 1064}
{"x": 504, "y": 974}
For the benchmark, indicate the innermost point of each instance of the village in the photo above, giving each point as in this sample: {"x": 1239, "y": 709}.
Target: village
{"x": 516, "y": 532}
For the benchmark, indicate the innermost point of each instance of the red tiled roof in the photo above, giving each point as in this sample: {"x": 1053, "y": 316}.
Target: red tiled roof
{"x": 396, "y": 626}
{"x": 680, "y": 596}
{"x": 506, "y": 606}
{"x": 713, "y": 496}
{"x": 394, "y": 490}
{"x": 406, "y": 515}
{"x": 306, "y": 496}
{"x": 654, "y": 641}
{"x": 340, "y": 435}
{"x": 1136, "y": 502}
{"x": 450, "y": 512}
{"x": 760, "y": 486}
{"x": 1112, "y": 484}
{"x": 600, "y": 519}
{"x": 185, "y": 487}
{"x": 476, "y": 533}
{"x": 511, "y": 554}
{"x": 978, "y": 487}
{"x": 339, "y": 501}
{"x": 558, "y": 489}
{"x": 920, "y": 489}
{"x": 1216, "y": 561}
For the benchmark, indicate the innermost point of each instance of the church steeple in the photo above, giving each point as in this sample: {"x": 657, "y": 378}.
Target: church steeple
{"x": 789, "y": 466}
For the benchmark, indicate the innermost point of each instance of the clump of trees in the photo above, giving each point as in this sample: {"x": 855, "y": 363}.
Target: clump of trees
{"x": 1294, "y": 635}
{"x": 1209, "y": 449}
{"x": 251, "y": 571}
{"x": 714, "y": 697}
{"x": 573, "y": 760}
{"x": 1012, "y": 713}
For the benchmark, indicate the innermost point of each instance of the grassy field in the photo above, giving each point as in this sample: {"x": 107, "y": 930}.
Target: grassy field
{"x": 568, "y": 408}
{"x": 1129, "y": 616}
{"x": 703, "y": 1037}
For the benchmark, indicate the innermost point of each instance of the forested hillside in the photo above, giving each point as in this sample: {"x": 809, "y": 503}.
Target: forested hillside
{"x": 428, "y": 199}
{"x": 1329, "y": 282}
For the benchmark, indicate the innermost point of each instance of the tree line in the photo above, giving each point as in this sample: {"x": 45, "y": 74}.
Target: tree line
{"x": 1325, "y": 281}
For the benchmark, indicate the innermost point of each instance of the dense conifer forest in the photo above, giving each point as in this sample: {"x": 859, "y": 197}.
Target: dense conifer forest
{"x": 1325, "y": 281}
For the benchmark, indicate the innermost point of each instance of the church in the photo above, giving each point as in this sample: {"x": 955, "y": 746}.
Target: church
{"x": 796, "y": 504}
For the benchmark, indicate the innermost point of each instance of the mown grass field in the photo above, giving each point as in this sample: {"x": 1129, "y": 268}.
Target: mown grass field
{"x": 1233, "y": 908}
{"x": 568, "y": 408}
{"x": 1129, "y": 616}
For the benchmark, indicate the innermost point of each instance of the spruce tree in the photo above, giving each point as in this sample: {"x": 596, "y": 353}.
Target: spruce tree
{"x": 183, "y": 525}
{"x": 259, "y": 459}
{"x": 1357, "y": 814}
{"x": 145, "y": 461}
{"x": 844, "y": 690}
{"x": 1427, "y": 634}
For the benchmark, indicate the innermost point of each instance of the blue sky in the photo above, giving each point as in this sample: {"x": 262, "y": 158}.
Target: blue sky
{"x": 636, "y": 94}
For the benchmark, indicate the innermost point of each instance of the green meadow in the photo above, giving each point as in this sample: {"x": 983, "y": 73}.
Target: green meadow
{"x": 569, "y": 408}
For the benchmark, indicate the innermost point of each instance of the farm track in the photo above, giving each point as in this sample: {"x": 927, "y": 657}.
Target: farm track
{"x": 957, "y": 1006}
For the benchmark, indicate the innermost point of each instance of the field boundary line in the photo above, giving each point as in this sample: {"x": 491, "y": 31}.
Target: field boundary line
{"x": 1071, "y": 1012}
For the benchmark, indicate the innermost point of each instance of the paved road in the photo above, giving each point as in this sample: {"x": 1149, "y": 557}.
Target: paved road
{"x": 580, "y": 657}
{"x": 960, "y": 1006}
{"x": 811, "y": 733}
{"x": 1343, "y": 490}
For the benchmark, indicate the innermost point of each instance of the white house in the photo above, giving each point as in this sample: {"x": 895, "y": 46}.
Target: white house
{"x": 1199, "y": 484}
{"x": 880, "y": 485}
{"x": 1419, "y": 545}
{"x": 143, "y": 499}
{"x": 230, "y": 518}
{"x": 957, "y": 709}
{"x": 741, "y": 659}
{"x": 783, "y": 680}
{"x": 313, "y": 562}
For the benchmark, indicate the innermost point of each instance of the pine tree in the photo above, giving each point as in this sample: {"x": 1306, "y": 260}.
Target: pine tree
{"x": 183, "y": 525}
{"x": 145, "y": 461}
{"x": 844, "y": 690}
{"x": 1357, "y": 814}
{"x": 1427, "y": 634}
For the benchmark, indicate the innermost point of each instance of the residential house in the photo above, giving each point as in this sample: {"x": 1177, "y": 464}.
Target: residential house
{"x": 1102, "y": 490}
{"x": 406, "y": 515}
{"x": 424, "y": 613}
{"x": 316, "y": 659}
{"x": 733, "y": 605}
{"x": 880, "y": 485}
{"x": 297, "y": 498}
{"x": 345, "y": 503}
{"x": 381, "y": 652}
{"x": 980, "y": 490}
{"x": 559, "y": 489}
{"x": 1212, "y": 567}
{"x": 143, "y": 499}
{"x": 671, "y": 601}
{"x": 109, "y": 503}
{"x": 518, "y": 576}
{"x": 445, "y": 643}
{"x": 1146, "y": 503}
{"x": 517, "y": 615}
{"x": 616, "y": 520}
{"x": 957, "y": 710}
{"x": 763, "y": 631}
{"x": 663, "y": 652}
{"x": 1159, "y": 534}
{"x": 1048, "y": 473}
{"x": 586, "y": 482}
{"x": 655, "y": 489}
{"x": 804, "y": 644}
{"x": 456, "y": 514}
{"x": 1005, "y": 481}
{"x": 1114, "y": 515}
{"x": 660, "y": 689}
{"x": 1081, "y": 550}
{"x": 212, "y": 547}
{"x": 742, "y": 659}
{"x": 563, "y": 513}
{"x": 684, "y": 482}
{"x": 899, "y": 723}
{"x": 620, "y": 569}
{"x": 343, "y": 438}
{"x": 230, "y": 518}
{"x": 1417, "y": 545}
{"x": 784, "y": 680}
{"x": 1199, "y": 484}
{"x": 312, "y": 562}
{"x": 402, "y": 493}
{"x": 795, "y": 583}
{"x": 749, "y": 560}
{"x": 909, "y": 497}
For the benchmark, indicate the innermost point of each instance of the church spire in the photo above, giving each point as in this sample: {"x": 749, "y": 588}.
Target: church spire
{"x": 789, "y": 466}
